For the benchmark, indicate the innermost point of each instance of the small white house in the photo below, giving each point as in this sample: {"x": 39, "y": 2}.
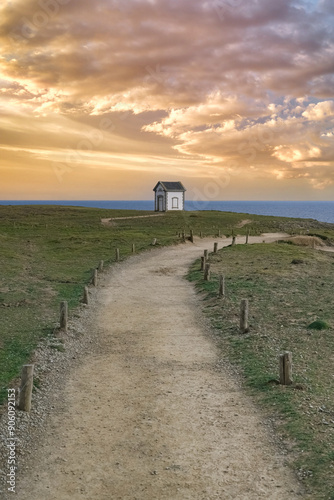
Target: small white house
{"x": 169, "y": 196}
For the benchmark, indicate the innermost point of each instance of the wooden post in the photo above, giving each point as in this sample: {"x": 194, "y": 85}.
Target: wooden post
{"x": 191, "y": 236}
{"x": 203, "y": 262}
{"x": 244, "y": 316}
{"x": 218, "y": 233}
{"x": 215, "y": 247}
{"x": 247, "y": 236}
{"x": 27, "y": 379}
{"x": 154, "y": 241}
{"x": 233, "y": 241}
{"x": 101, "y": 263}
{"x": 221, "y": 286}
{"x": 285, "y": 368}
{"x": 117, "y": 254}
{"x": 63, "y": 315}
{"x": 94, "y": 279}
{"x": 206, "y": 254}
{"x": 207, "y": 272}
{"x": 85, "y": 299}
{"x": 133, "y": 248}
{"x": 200, "y": 234}
{"x": 183, "y": 235}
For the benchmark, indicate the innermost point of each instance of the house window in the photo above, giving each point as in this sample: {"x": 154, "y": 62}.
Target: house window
{"x": 175, "y": 202}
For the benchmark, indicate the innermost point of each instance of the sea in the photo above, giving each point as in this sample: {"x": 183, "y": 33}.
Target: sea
{"x": 320, "y": 210}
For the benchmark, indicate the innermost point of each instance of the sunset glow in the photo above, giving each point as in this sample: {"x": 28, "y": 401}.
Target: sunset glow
{"x": 101, "y": 99}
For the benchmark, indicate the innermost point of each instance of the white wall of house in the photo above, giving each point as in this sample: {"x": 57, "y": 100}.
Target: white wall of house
{"x": 174, "y": 200}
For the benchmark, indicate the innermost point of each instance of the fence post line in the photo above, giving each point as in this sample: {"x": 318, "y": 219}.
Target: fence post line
{"x": 207, "y": 272}
{"x": 27, "y": 379}
{"x": 63, "y": 315}
{"x": 244, "y": 316}
{"x": 285, "y": 366}
{"x": 221, "y": 286}
{"x": 85, "y": 297}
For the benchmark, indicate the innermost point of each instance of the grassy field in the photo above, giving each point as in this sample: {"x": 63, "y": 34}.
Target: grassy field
{"x": 289, "y": 288}
{"x": 48, "y": 254}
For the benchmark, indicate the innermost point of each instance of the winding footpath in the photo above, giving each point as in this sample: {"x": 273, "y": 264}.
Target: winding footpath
{"x": 151, "y": 413}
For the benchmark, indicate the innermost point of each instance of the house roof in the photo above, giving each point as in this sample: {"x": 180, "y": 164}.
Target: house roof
{"x": 170, "y": 186}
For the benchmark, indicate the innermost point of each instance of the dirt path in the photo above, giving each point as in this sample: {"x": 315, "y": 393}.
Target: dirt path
{"x": 151, "y": 413}
{"x": 111, "y": 219}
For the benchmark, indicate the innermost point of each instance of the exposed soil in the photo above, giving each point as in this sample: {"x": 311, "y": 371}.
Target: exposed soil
{"x": 244, "y": 222}
{"x": 152, "y": 410}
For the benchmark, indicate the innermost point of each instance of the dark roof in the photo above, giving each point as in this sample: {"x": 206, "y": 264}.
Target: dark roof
{"x": 170, "y": 186}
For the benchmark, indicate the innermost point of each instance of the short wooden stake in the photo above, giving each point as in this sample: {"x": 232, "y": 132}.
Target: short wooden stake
{"x": 206, "y": 254}
{"x": 183, "y": 235}
{"x": 244, "y": 316}
{"x": 221, "y": 286}
{"x": 233, "y": 241}
{"x": 133, "y": 248}
{"x": 101, "y": 264}
{"x": 215, "y": 247}
{"x": 285, "y": 368}
{"x": 154, "y": 241}
{"x": 218, "y": 233}
{"x": 63, "y": 315}
{"x": 85, "y": 299}
{"x": 117, "y": 254}
{"x": 247, "y": 236}
{"x": 27, "y": 379}
{"x": 200, "y": 234}
{"x": 191, "y": 236}
{"x": 94, "y": 279}
{"x": 207, "y": 272}
{"x": 203, "y": 262}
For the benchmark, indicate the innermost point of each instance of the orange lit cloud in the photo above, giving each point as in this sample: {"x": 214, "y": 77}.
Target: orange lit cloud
{"x": 99, "y": 96}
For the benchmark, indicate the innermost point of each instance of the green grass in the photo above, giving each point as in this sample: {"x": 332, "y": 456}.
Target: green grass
{"x": 48, "y": 253}
{"x": 284, "y": 298}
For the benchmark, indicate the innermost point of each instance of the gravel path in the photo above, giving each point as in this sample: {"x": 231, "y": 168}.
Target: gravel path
{"x": 142, "y": 405}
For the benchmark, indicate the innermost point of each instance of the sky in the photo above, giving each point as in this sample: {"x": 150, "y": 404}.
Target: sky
{"x": 102, "y": 99}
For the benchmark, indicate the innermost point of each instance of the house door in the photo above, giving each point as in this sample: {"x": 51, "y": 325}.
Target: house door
{"x": 160, "y": 204}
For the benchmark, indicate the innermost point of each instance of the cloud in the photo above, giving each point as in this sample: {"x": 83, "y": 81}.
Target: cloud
{"x": 319, "y": 111}
{"x": 221, "y": 82}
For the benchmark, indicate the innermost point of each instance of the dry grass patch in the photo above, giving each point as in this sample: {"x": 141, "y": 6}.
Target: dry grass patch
{"x": 306, "y": 241}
